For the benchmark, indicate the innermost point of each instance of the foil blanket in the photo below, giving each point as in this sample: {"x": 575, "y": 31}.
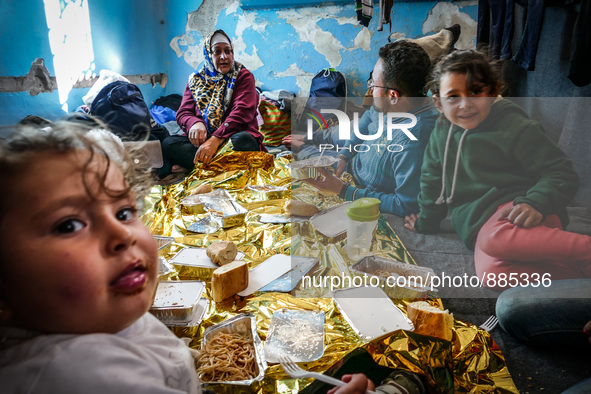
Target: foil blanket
{"x": 470, "y": 363}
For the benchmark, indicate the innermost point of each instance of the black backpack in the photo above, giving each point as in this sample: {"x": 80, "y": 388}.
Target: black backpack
{"x": 122, "y": 107}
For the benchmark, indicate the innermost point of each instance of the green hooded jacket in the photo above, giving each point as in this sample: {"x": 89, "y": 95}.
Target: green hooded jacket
{"x": 506, "y": 158}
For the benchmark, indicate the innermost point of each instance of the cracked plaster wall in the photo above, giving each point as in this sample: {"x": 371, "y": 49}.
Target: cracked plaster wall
{"x": 286, "y": 47}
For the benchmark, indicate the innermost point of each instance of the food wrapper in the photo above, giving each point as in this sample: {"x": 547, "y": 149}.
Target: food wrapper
{"x": 475, "y": 361}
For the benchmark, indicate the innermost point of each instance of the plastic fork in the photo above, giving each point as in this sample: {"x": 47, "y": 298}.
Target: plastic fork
{"x": 296, "y": 372}
{"x": 490, "y": 323}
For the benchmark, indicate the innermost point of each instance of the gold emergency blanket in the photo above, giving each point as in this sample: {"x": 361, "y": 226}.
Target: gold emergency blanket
{"x": 472, "y": 362}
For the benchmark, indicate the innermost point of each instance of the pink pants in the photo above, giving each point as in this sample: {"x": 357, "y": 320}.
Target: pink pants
{"x": 503, "y": 248}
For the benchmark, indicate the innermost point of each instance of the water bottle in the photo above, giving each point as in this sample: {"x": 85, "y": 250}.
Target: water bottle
{"x": 363, "y": 215}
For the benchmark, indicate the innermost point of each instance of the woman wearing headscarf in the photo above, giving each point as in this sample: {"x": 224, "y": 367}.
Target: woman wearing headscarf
{"x": 219, "y": 103}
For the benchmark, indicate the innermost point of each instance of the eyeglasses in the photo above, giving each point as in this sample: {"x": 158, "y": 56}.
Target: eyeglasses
{"x": 370, "y": 85}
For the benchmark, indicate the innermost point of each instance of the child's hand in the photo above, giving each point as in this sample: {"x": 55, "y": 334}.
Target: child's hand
{"x": 409, "y": 222}
{"x": 522, "y": 215}
{"x": 356, "y": 383}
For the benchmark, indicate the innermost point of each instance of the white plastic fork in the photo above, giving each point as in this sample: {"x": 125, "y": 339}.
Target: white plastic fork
{"x": 490, "y": 323}
{"x": 296, "y": 372}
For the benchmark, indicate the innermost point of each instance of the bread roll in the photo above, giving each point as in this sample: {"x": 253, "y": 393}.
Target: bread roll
{"x": 201, "y": 189}
{"x": 229, "y": 280}
{"x": 299, "y": 208}
{"x": 222, "y": 252}
{"x": 429, "y": 320}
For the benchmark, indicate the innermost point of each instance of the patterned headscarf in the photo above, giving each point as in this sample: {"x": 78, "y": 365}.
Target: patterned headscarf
{"x": 212, "y": 90}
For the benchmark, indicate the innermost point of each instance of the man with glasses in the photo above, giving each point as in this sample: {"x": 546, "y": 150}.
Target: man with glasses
{"x": 385, "y": 168}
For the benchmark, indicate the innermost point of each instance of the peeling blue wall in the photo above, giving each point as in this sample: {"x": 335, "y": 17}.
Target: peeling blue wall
{"x": 284, "y": 48}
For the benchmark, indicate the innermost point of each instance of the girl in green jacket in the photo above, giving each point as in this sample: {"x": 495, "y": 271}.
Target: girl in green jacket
{"x": 504, "y": 183}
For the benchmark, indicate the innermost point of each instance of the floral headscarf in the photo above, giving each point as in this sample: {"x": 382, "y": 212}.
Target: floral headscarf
{"x": 212, "y": 90}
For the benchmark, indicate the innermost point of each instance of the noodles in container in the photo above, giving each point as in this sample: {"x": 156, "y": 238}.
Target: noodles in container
{"x": 306, "y": 169}
{"x": 232, "y": 353}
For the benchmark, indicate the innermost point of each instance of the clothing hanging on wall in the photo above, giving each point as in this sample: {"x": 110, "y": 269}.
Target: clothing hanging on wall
{"x": 495, "y": 16}
{"x": 580, "y": 57}
{"x": 364, "y": 9}
{"x": 495, "y": 31}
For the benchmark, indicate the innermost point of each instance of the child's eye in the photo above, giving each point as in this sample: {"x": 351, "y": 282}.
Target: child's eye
{"x": 451, "y": 98}
{"x": 127, "y": 214}
{"x": 68, "y": 226}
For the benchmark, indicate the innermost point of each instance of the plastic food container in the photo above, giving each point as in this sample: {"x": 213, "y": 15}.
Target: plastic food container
{"x": 227, "y": 213}
{"x": 245, "y": 325}
{"x": 192, "y": 205}
{"x": 306, "y": 169}
{"x": 193, "y": 263}
{"x": 332, "y": 223}
{"x": 296, "y": 333}
{"x": 176, "y": 301}
{"x": 397, "y": 279}
{"x": 164, "y": 268}
{"x": 370, "y": 312}
{"x": 163, "y": 244}
{"x": 267, "y": 192}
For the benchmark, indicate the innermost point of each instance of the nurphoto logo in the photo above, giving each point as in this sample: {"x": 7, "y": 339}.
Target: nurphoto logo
{"x": 394, "y": 121}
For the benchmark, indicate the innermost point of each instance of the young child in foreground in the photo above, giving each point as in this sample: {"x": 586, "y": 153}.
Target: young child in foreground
{"x": 78, "y": 271}
{"x": 505, "y": 184}
{"x": 398, "y": 382}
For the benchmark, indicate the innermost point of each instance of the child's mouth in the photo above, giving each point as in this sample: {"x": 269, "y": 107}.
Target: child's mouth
{"x": 131, "y": 279}
{"x": 469, "y": 116}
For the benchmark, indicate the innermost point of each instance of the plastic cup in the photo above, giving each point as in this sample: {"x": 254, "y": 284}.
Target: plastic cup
{"x": 363, "y": 216}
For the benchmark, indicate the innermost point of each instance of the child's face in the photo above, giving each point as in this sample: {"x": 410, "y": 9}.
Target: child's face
{"x": 72, "y": 263}
{"x": 464, "y": 106}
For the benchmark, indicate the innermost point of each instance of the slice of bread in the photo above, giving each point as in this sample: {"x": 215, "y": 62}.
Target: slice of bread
{"x": 430, "y": 320}
{"x": 228, "y": 280}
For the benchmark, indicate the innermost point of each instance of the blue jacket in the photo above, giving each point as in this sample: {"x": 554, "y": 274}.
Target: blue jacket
{"x": 389, "y": 170}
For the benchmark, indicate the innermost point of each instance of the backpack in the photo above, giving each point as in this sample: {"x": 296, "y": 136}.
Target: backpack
{"x": 122, "y": 107}
{"x": 327, "y": 90}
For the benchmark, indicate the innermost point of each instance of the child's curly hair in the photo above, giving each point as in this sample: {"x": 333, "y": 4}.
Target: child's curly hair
{"x": 476, "y": 65}
{"x": 26, "y": 142}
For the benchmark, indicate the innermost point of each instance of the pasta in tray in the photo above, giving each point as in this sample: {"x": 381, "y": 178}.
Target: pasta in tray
{"x": 227, "y": 357}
